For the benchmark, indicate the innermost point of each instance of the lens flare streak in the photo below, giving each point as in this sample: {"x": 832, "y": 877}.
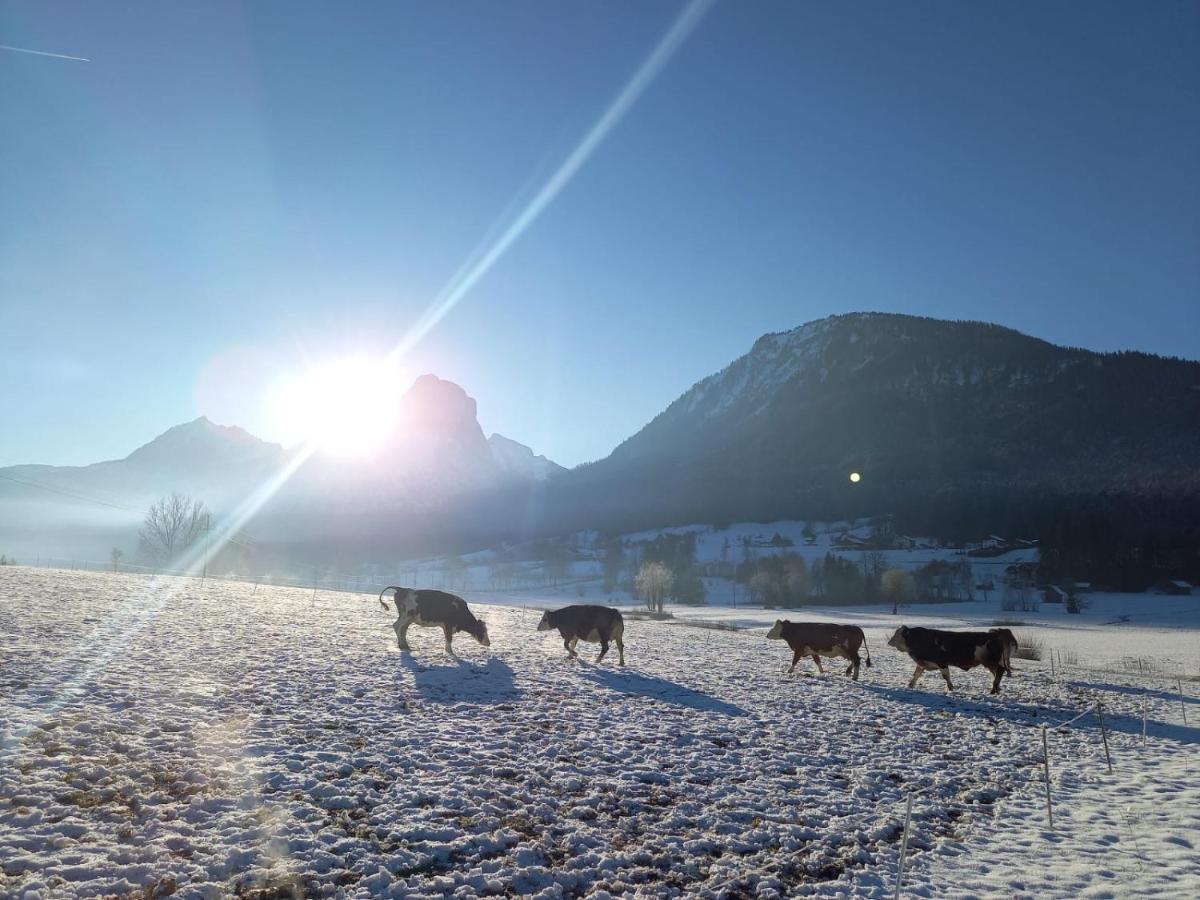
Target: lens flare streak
{"x": 467, "y": 278}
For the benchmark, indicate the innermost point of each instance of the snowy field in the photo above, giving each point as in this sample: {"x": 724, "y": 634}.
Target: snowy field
{"x": 164, "y": 736}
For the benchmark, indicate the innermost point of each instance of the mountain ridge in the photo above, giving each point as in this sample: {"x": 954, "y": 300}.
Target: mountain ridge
{"x": 916, "y": 405}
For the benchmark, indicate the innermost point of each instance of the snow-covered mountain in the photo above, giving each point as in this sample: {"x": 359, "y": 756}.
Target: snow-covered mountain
{"x": 517, "y": 460}
{"x": 923, "y": 409}
{"x": 438, "y": 457}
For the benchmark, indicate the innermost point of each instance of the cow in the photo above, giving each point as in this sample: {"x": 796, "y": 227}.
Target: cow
{"x": 586, "y": 622}
{"x": 433, "y": 609}
{"x": 1009, "y": 642}
{"x": 817, "y": 639}
{"x": 932, "y": 649}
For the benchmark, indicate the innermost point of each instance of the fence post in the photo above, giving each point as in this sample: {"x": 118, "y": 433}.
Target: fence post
{"x": 1046, "y": 761}
{"x": 1144, "y": 702}
{"x": 1104, "y": 735}
{"x": 1182, "y": 705}
{"x": 1052, "y": 664}
{"x": 903, "y": 846}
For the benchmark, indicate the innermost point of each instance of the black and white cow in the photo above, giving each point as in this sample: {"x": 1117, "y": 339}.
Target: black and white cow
{"x": 931, "y": 648}
{"x": 587, "y": 622}
{"x": 433, "y": 609}
{"x": 817, "y": 639}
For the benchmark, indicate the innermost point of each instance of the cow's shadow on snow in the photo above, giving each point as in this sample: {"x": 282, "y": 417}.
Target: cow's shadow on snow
{"x": 451, "y": 679}
{"x": 1152, "y": 693}
{"x": 1033, "y": 714}
{"x": 636, "y": 684}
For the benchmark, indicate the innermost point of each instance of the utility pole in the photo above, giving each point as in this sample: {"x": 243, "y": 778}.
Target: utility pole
{"x": 207, "y": 526}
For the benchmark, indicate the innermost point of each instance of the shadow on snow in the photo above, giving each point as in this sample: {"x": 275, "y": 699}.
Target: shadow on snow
{"x": 636, "y": 684}
{"x": 1034, "y": 714}
{"x": 455, "y": 680}
{"x": 1152, "y": 693}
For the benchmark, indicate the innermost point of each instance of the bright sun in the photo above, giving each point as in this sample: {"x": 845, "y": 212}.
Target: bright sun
{"x": 347, "y": 407}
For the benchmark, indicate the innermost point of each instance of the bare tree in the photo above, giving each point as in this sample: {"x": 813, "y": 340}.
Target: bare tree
{"x": 116, "y": 556}
{"x": 172, "y": 525}
{"x": 795, "y": 577}
{"x": 898, "y": 586}
{"x": 765, "y": 588}
{"x": 653, "y": 583}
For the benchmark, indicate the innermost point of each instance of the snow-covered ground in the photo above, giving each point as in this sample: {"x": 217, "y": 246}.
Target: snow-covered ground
{"x": 213, "y": 739}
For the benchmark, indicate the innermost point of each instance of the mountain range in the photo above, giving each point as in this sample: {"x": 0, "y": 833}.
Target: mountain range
{"x": 949, "y": 425}
{"x": 439, "y": 456}
{"x": 920, "y": 408}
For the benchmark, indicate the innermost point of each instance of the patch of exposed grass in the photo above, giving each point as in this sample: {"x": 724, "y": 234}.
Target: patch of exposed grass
{"x": 1030, "y": 648}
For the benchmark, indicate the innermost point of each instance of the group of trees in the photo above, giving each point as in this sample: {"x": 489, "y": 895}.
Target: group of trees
{"x": 786, "y": 580}
{"x": 666, "y": 570}
{"x": 677, "y": 553}
{"x": 653, "y": 585}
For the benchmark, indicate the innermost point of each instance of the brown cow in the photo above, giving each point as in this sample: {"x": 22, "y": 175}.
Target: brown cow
{"x": 817, "y": 639}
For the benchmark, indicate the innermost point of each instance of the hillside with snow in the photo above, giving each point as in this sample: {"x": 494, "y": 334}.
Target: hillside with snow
{"x": 167, "y": 736}
{"x": 953, "y": 427}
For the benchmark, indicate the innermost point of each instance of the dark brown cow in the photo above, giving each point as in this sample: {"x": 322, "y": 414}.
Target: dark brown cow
{"x": 433, "y": 609}
{"x": 817, "y": 639}
{"x": 931, "y": 649}
{"x": 586, "y": 622}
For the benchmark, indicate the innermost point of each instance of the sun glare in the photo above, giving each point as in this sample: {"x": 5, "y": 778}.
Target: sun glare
{"x": 347, "y": 407}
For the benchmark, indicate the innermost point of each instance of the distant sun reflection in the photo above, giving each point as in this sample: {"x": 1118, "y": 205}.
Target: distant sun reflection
{"x": 855, "y": 477}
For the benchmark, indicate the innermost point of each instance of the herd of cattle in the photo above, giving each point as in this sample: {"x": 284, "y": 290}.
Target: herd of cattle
{"x": 930, "y": 648}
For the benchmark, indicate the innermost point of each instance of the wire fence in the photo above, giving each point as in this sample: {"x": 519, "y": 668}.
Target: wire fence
{"x": 320, "y": 579}
{"x": 1070, "y": 780}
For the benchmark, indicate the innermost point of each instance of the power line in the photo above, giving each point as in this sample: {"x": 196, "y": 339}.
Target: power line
{"x": 241, "y": 541}
{"x": 66, "y": 493}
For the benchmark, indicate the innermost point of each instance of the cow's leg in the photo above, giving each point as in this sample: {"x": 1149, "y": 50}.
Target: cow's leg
{"x": 817, "y": 660}
{"x": 795, "y": 659}
{"x": 571, "y": 647}
{"x": 855, "y": 662}
{"x": 621, "y": 650}
{"x": 401, "y": 628}
{"x": 917, "y": 673}
{"x": 996, "y": 673}
{"x": 603, "y": 650}
{"x": 946, "y": 675}
{"x": 448, "y": 630}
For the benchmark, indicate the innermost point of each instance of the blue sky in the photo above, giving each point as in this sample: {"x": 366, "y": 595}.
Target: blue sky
{"x": 228, "y": 191}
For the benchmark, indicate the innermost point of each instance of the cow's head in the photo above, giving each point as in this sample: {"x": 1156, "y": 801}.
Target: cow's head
{"x": 776, "y": 633}
{"x": 899, "y": 640}
{"x": 545, "y": 624}
{"x": 1007, "y": 636}
{"x": 478, "y": 630}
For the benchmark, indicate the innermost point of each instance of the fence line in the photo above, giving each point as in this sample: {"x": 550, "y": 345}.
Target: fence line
{"x": 321, "y": 580}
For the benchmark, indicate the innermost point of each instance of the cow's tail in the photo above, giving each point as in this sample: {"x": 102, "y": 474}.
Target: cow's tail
{"x": 383, "y": 602}
{"x": 1006, "y": 649}
{"x": 867, "y": 649}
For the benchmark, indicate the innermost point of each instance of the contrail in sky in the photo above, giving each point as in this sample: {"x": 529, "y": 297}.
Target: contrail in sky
{"x": 467, "y": 277}
{"x": 43, "y": 53}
